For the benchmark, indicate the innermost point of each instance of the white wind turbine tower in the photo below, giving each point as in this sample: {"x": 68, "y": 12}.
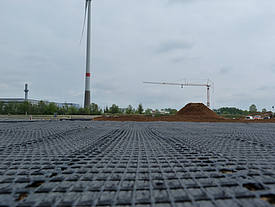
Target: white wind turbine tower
{"x": 87, "y": 96}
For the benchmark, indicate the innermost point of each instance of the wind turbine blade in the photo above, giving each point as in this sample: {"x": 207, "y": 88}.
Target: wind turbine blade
{"x": 84, "y": 21}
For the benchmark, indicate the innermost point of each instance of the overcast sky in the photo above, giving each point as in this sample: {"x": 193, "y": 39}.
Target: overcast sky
{"x": 230, "y": 42}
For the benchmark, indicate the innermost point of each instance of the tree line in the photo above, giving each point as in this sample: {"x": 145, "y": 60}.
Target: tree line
{"x": 114, "y": 109}
{"x": 43, "y": 108}
{"x": 236, "y": 111}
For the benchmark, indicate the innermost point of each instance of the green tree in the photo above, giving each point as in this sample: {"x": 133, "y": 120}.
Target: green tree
{"x": 41, "y": 107}
{"x": 129, "y": 109}
{"x": 50, "y": 109}
{"x": 2, "y": 104}
{"x": 140, "y": 108}
{"x": 253, "y": 108}
{"x": 84, "y": 111}
{"x": 94, "y": 109}
{"x": 61, "y": 110}
{"x": 264, "y": 110}
{"x": 148, "y": 111}
{"x": 171, "y": 111}
{"x": 11, "y": 107}
{"x": 33, "y": 109}
{"x": 24, "y": 107}
{"x": 230, "y": 110}
{"x": 66, "y": 107}
{"x": 87, "y": 110}
{"x": 114, "y": 109}
{"x": 72, "y": 110}
{"x": 123, "y": 110}
{"x": 106, "y": 109}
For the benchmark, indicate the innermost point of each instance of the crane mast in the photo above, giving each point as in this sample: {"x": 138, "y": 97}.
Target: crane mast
{"x": 208, "y": 85}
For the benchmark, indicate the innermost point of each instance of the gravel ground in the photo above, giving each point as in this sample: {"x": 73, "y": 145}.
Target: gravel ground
{"x": 101, "y": 163}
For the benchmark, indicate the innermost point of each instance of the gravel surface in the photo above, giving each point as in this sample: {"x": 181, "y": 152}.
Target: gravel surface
{"x": 104, "y": 163}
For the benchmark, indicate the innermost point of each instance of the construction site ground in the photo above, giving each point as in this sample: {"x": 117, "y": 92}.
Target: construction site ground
{"x": 107, "y": 163}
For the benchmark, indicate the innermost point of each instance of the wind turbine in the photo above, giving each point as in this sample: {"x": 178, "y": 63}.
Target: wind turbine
{"x": 87, "y": 96}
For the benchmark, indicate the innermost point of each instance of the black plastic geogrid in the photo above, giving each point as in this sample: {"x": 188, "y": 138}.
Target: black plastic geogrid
{"x": 137, "y": 164}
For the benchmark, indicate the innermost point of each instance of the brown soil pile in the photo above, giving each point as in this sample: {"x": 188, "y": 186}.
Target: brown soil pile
{"x": 196, "y": 109}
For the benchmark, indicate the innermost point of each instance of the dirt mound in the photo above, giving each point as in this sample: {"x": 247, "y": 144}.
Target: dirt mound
{"x": 196, "y": 109}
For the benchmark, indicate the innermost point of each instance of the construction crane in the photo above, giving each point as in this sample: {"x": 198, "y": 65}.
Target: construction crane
{"x": 208, "y": 85}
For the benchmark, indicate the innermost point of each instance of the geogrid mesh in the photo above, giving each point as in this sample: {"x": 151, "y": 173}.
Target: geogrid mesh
{"x": 136, "y": 164}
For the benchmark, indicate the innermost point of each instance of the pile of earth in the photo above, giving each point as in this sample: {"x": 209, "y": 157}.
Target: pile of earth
{"x": 192, "y": 112}
{"x": 196, "y": 110}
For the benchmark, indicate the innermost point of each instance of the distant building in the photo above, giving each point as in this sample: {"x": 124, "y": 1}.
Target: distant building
{"x": 19, "y": 100}
{"x": 35, "y": 102}
{"x": 63, "y": 105}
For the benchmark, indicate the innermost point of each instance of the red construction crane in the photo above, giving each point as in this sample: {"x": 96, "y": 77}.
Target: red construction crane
{"x": 208, "y": 85}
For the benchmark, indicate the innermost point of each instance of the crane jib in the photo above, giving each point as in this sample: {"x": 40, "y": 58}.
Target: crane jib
{"x": 190, "y": 84}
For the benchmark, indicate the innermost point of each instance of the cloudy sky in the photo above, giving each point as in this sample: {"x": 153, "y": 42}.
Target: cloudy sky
{"x": 230, "y": 42}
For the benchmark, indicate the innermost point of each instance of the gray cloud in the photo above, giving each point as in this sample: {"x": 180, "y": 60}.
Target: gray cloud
{"x": 224, "y": 70}
{"x": 263, "y": 88}
{"x": 186, "y": 59}
{"x": 35, "y": 60}
{"x": 168, "y": 46}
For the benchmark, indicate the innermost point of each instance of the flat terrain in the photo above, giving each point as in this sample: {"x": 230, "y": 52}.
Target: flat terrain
{"x": 108, "y": 163}
{"x": 191, "y": 112}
